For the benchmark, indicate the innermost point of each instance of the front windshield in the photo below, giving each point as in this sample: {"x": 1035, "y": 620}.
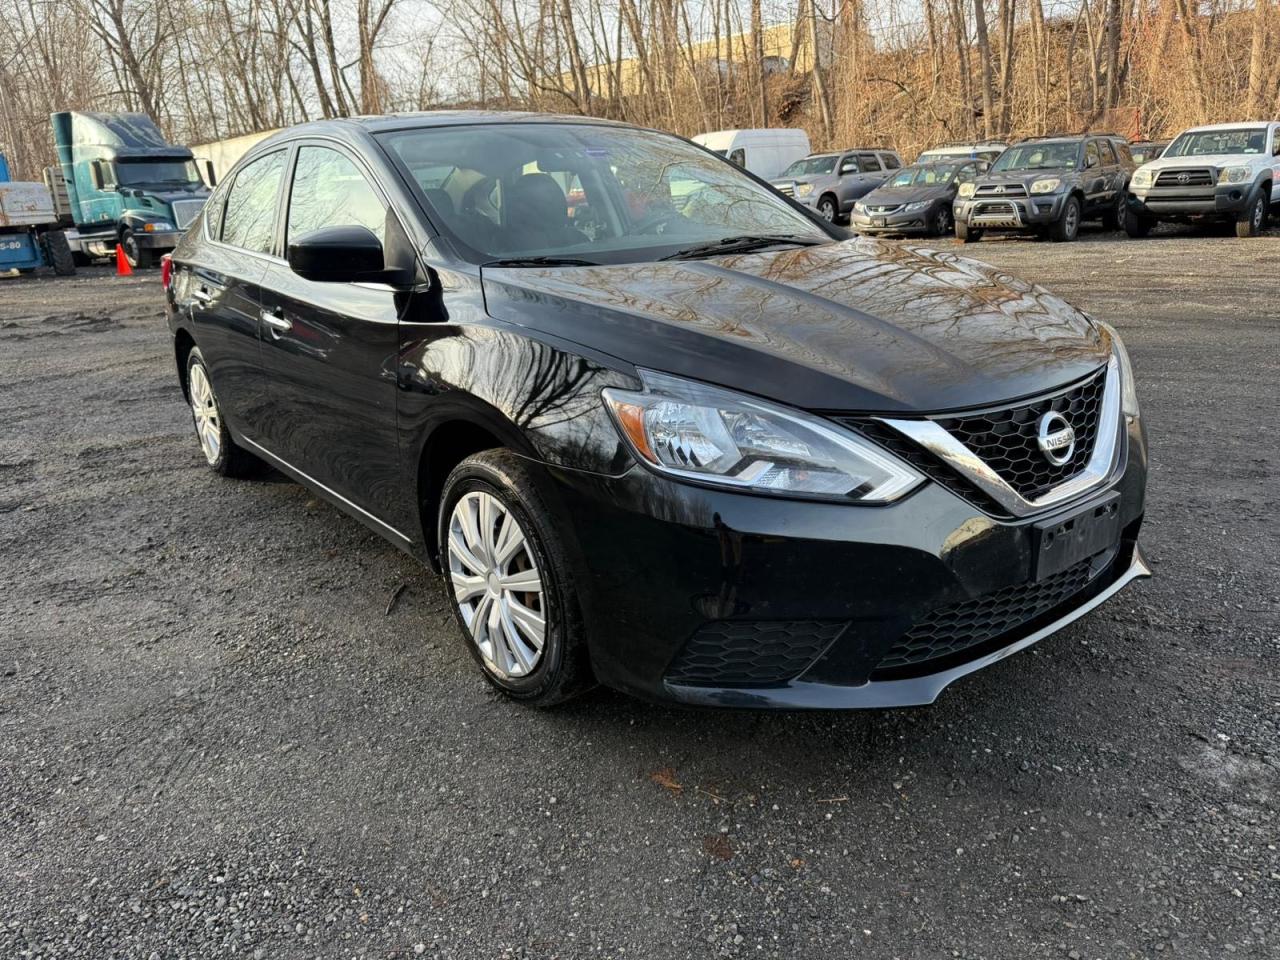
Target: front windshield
{"x": 810, "y": 166}
{"x": 584, "y": 191}
{"x": 133, "y": 173}
{"x": 1038, "y": 156}
{"x": 1209, "y": 142}
{"x": 924, "y": 175}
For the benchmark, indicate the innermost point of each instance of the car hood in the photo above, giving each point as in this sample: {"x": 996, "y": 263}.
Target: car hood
{"x": 1211, "y": 160}
{"x": 910, "y": 194}
{"x": 807, "y": 178}
{"x": 856, "y": 326}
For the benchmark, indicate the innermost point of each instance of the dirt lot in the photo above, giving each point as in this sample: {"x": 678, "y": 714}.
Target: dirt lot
{"x": 216, "y": 738}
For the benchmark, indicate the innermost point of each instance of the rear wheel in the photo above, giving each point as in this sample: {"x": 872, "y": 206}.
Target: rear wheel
{"x": 1137, "y": 226}
{"x": 138, "y": 256}
{"x": 220, "y": 451}
{"x": 1067, "y": 226}
{"x": 510, "y": 582}
{"x": 1253, "y": 218}
{"x": 966, "y": 233}
{"x": 57, "y": 253}
{"x": 1117, "y": 216}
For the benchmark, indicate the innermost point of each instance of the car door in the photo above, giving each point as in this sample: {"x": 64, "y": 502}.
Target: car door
{"x": 1095, "y": 178}
{"x": 848, "y": 180}
{"x": 329, "y": 349}
{"x": 1115, "y": 173}
{"x": 869, "y": 176}
{"x": 225, "y": 287}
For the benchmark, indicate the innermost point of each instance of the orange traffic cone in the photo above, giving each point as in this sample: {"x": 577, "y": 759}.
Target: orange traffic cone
{"x": 122, "y": 263}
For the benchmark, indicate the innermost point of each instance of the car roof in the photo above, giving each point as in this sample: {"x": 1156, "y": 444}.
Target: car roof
{"x": 1209, "y": 127}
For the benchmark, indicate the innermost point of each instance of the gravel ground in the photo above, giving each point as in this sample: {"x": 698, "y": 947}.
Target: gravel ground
{"x": 218, "y": 736}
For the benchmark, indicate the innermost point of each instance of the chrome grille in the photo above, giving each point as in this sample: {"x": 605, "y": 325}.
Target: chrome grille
{"x": 885, "y": 208}
{"x": 1001, "y": 190}
{"x": 184, "y": 211}
{"x": 787, "y": 188}
{"x": 1194, "y": 178}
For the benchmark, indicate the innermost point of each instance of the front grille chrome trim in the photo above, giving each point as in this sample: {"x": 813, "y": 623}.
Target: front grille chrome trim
{"x": 1103, "y": 464}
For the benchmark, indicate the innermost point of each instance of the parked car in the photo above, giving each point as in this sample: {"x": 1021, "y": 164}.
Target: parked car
{"x": 985, "y": 150}
{"x": 1048, "y": 186}
{"x": 1144, "y": 151}
{"x": 713, "y": 454}
{"x": 1228, "y": 172}
{"x": 916, "y": 199}
{"x": 831, "y": 182}
{"x": 766, "y": 152}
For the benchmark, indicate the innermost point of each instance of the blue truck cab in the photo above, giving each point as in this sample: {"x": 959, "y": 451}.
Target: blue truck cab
{"x": 125, "y": 184}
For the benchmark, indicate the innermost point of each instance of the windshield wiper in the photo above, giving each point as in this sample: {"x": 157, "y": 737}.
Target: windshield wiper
{"x": 741, "y": 244}
{"x": 540, "y": 262}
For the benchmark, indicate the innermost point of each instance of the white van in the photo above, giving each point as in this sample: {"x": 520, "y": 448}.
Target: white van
{"x": 766, "y": 153}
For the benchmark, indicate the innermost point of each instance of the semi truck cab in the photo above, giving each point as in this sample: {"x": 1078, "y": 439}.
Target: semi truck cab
{"x": 125, "y": 184}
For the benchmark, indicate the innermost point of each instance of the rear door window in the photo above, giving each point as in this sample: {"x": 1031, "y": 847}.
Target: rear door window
{"x": 250, "y": 219}
{"x": 890, "y": 161}
{"x": 867, "y": 163}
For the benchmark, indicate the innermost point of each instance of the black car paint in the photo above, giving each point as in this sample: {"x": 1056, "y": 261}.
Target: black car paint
{"x": 370, "y": 382}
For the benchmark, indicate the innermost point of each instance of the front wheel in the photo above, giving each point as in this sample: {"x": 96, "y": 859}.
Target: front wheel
{"x": 507, "y": 573}
{"x": 942, "y": 223}
{"x": 827, "y": 209}
{"x": 1067, "y": 226}
{"x": 1253, "y": 218}
{"x": 1138, "y": 227}
{"x": 966, "y": 233}
{"x": 139, "y": 257}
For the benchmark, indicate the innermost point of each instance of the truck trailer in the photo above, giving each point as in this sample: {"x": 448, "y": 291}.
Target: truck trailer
{"x": 30, "y": 236}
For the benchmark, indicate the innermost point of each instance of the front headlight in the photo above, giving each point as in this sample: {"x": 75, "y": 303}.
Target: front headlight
{"x": 966, "y": 190}
{"x": 158, "y": 226}
{"x": 1142, "y": 177}
{"x": 1128, "y": 389}
{"x": 916, "y": 206}
{"x": 1233, "y": 175}
{"x": 697, "y": 432}
{"x": 1046, "y": 186}
{"x": 804, "y": 189}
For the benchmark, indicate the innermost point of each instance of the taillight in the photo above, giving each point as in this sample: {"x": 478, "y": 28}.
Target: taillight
{"x": 166, "y": 270}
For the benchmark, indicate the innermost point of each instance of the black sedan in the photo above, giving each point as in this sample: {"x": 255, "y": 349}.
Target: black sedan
{"x": 656, "y": 426}
{"x": 916, "y": 200}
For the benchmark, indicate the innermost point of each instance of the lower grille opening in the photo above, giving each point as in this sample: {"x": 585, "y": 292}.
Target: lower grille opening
{"x": 752, "y": 652}
{"x": 966, "y": 630}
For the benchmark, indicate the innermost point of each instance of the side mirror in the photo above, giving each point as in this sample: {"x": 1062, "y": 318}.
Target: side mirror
{"x": 347, "y": 254}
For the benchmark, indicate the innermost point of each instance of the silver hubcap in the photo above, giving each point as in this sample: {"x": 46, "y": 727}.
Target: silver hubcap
{"x": 1072, "y": 217}
{"x": 497, "y": 585}
{"x": 827, "y": 210}
{"x": 1257, "y": 215}
{"x": 205, "y": 410}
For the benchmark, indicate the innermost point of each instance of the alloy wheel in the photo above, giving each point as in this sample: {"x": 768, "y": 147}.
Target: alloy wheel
{"x": 827, "y": 211}
{"x": 1072, "y": 216}
{"x": 204, "y": 408}
{"x": 497, "y": 584}
{"x": 945, "y": 222}
{"x": 1259, "y": 214}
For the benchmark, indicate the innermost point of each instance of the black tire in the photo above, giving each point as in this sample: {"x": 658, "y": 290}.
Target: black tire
{"x": 1253, "y": 219}
{"x": 828, "y": 209}
{"x": 57, "y": 253}
{"x": 941, "y": 223}
{"x": 1138, "y": 227}
{"x": 966, "y": 233}
{"x": 1117, "y": 216}
{"x": 231, "y": 460}
{"x": 140, "y": 258}
{"x": 562, "y": 670}
{"x": 1067, "y": 227}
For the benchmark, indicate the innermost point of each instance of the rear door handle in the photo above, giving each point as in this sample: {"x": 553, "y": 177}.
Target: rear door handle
{"x": 202, "y": 296}
{"x": 276, "y": 320}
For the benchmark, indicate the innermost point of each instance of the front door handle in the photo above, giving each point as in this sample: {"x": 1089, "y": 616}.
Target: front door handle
{"x": 276, "y": 320}
{"x": 202, "y": 296}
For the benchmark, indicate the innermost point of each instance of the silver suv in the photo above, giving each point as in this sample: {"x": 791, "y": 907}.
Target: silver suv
{"x": 830, "y": 183}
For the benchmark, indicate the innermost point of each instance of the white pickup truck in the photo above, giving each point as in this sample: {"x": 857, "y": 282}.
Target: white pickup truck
{"x": 1228, "y": 171}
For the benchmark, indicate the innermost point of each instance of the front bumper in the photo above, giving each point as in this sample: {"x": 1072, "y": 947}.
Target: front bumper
{"x": 810, "y": 600}
{"x": 1009, "y": 213}
{"x": 898, "y": 222}
{"x": 157, "y": 240}
{"x": 1172, "y": 203}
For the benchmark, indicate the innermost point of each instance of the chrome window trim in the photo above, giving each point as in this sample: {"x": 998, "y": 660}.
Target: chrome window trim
{"x": 1103, "y": 466}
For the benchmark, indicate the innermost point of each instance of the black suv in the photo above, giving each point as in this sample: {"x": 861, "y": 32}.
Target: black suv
{"x": 1048, "y": 186}
{"x": 656, "y": 425}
